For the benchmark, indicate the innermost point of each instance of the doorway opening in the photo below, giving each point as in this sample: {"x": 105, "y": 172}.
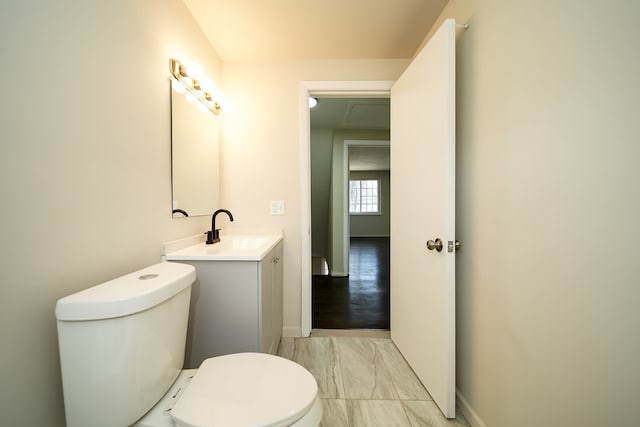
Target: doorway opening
{"x": 350, "y": 222}
{"x": 353, "y": 88}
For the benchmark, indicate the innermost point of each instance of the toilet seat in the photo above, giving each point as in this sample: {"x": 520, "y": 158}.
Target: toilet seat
{"x": 246, "y": 389}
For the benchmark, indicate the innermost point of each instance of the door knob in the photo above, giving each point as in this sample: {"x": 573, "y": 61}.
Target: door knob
{"x": 437, "y": 245}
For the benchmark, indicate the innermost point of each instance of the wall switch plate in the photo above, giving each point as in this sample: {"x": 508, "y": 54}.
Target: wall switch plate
{"x": 277, "y": 207}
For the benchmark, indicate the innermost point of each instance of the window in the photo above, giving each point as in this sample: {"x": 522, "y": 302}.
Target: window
{"x": 364, "y": 197}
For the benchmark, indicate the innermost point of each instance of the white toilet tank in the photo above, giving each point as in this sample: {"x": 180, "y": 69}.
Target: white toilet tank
{"x": 122, "y": 344}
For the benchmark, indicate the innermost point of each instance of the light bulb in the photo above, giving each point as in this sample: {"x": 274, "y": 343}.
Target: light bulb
{"x": 177, "y": 86}
{"x": 192, "y": 99}
{"x": 195, "y": 71}
{"x": 208, "y": 85}
{"x": 219, "y": 98}
{"x": 312, "y": 102}
{"x": 202, "y": 107}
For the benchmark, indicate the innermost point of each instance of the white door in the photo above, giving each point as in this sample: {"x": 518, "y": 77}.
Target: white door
{"x": 423, "y": 209}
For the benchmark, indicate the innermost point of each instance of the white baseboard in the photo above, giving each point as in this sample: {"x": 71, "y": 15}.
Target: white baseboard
{"x": 291, "y": 332}
{"x": 467, "y": 411}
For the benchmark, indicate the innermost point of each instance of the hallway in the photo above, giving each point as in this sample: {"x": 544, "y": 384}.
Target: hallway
{"x": 360, "y": 301}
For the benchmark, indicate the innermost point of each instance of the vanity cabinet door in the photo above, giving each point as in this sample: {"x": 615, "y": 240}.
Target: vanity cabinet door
{"x": 224, "y": 312}
{"x": 278, "y": 303}
{"x": 266, "y": 298}
{"x": 271, "y": 301}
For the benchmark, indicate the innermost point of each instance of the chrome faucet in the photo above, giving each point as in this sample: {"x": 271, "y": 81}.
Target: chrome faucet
{"x": 213, "y": 236}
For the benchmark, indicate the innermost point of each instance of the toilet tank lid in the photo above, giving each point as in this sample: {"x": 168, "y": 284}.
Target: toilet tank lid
{"x": 127, "y": 294}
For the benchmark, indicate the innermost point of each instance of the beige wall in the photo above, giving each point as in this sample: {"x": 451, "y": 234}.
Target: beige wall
{"x": 548, "y": 207}
{"x": 261, "y": 148}
{"x": 85, "y": 168}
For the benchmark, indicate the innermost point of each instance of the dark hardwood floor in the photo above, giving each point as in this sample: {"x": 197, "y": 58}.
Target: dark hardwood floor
{"x": 360, "y": 301}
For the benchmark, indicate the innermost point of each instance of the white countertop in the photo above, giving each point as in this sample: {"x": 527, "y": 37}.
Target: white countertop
{"x": 233, "y": 247}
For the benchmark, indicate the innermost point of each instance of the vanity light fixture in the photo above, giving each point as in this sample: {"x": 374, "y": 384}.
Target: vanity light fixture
{"x": 193, "y": 80}
{"x": 313, "y": 102}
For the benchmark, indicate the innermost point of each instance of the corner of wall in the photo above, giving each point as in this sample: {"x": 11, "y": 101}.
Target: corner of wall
{"x": 469, "y": 414}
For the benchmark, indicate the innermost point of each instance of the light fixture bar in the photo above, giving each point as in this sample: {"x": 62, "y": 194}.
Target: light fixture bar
{"x": 192, "y": 85}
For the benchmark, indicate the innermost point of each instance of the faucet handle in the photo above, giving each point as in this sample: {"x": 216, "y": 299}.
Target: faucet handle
{"x": 210, "y": 238}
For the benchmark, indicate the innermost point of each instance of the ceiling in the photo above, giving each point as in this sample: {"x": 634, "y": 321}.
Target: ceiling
{"x": 271, "y": 30}
{"x": 262, "y": 30}
{"x": 350, "y": 113}
{"x": 356, "y": 113}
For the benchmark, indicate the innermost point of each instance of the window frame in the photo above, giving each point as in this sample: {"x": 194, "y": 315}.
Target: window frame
{"x": 378, "y": 201}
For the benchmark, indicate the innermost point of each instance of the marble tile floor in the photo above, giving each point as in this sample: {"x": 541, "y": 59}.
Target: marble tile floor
{"x": 364, "y": 381}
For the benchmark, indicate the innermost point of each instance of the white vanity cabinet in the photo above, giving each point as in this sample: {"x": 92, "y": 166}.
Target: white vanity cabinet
{"x": 236, "y": 306}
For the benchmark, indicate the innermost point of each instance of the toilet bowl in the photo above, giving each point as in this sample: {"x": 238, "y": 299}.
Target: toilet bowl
{"x": 244, "y": 389}
{"x": 122, "y": 347}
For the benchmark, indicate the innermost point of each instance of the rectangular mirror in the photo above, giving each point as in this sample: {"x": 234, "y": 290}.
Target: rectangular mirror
{"x": 195, "y": 159}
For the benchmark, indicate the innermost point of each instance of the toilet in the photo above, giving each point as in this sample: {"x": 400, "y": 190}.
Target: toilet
{"x": 122, "y": 346}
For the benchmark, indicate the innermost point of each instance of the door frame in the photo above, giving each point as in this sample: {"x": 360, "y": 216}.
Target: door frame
{"x": 351, "y": 89}
{"x": 341, "y": 232}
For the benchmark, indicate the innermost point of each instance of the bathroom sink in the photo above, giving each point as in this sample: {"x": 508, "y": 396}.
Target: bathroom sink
{"x": 230, "y": 248}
